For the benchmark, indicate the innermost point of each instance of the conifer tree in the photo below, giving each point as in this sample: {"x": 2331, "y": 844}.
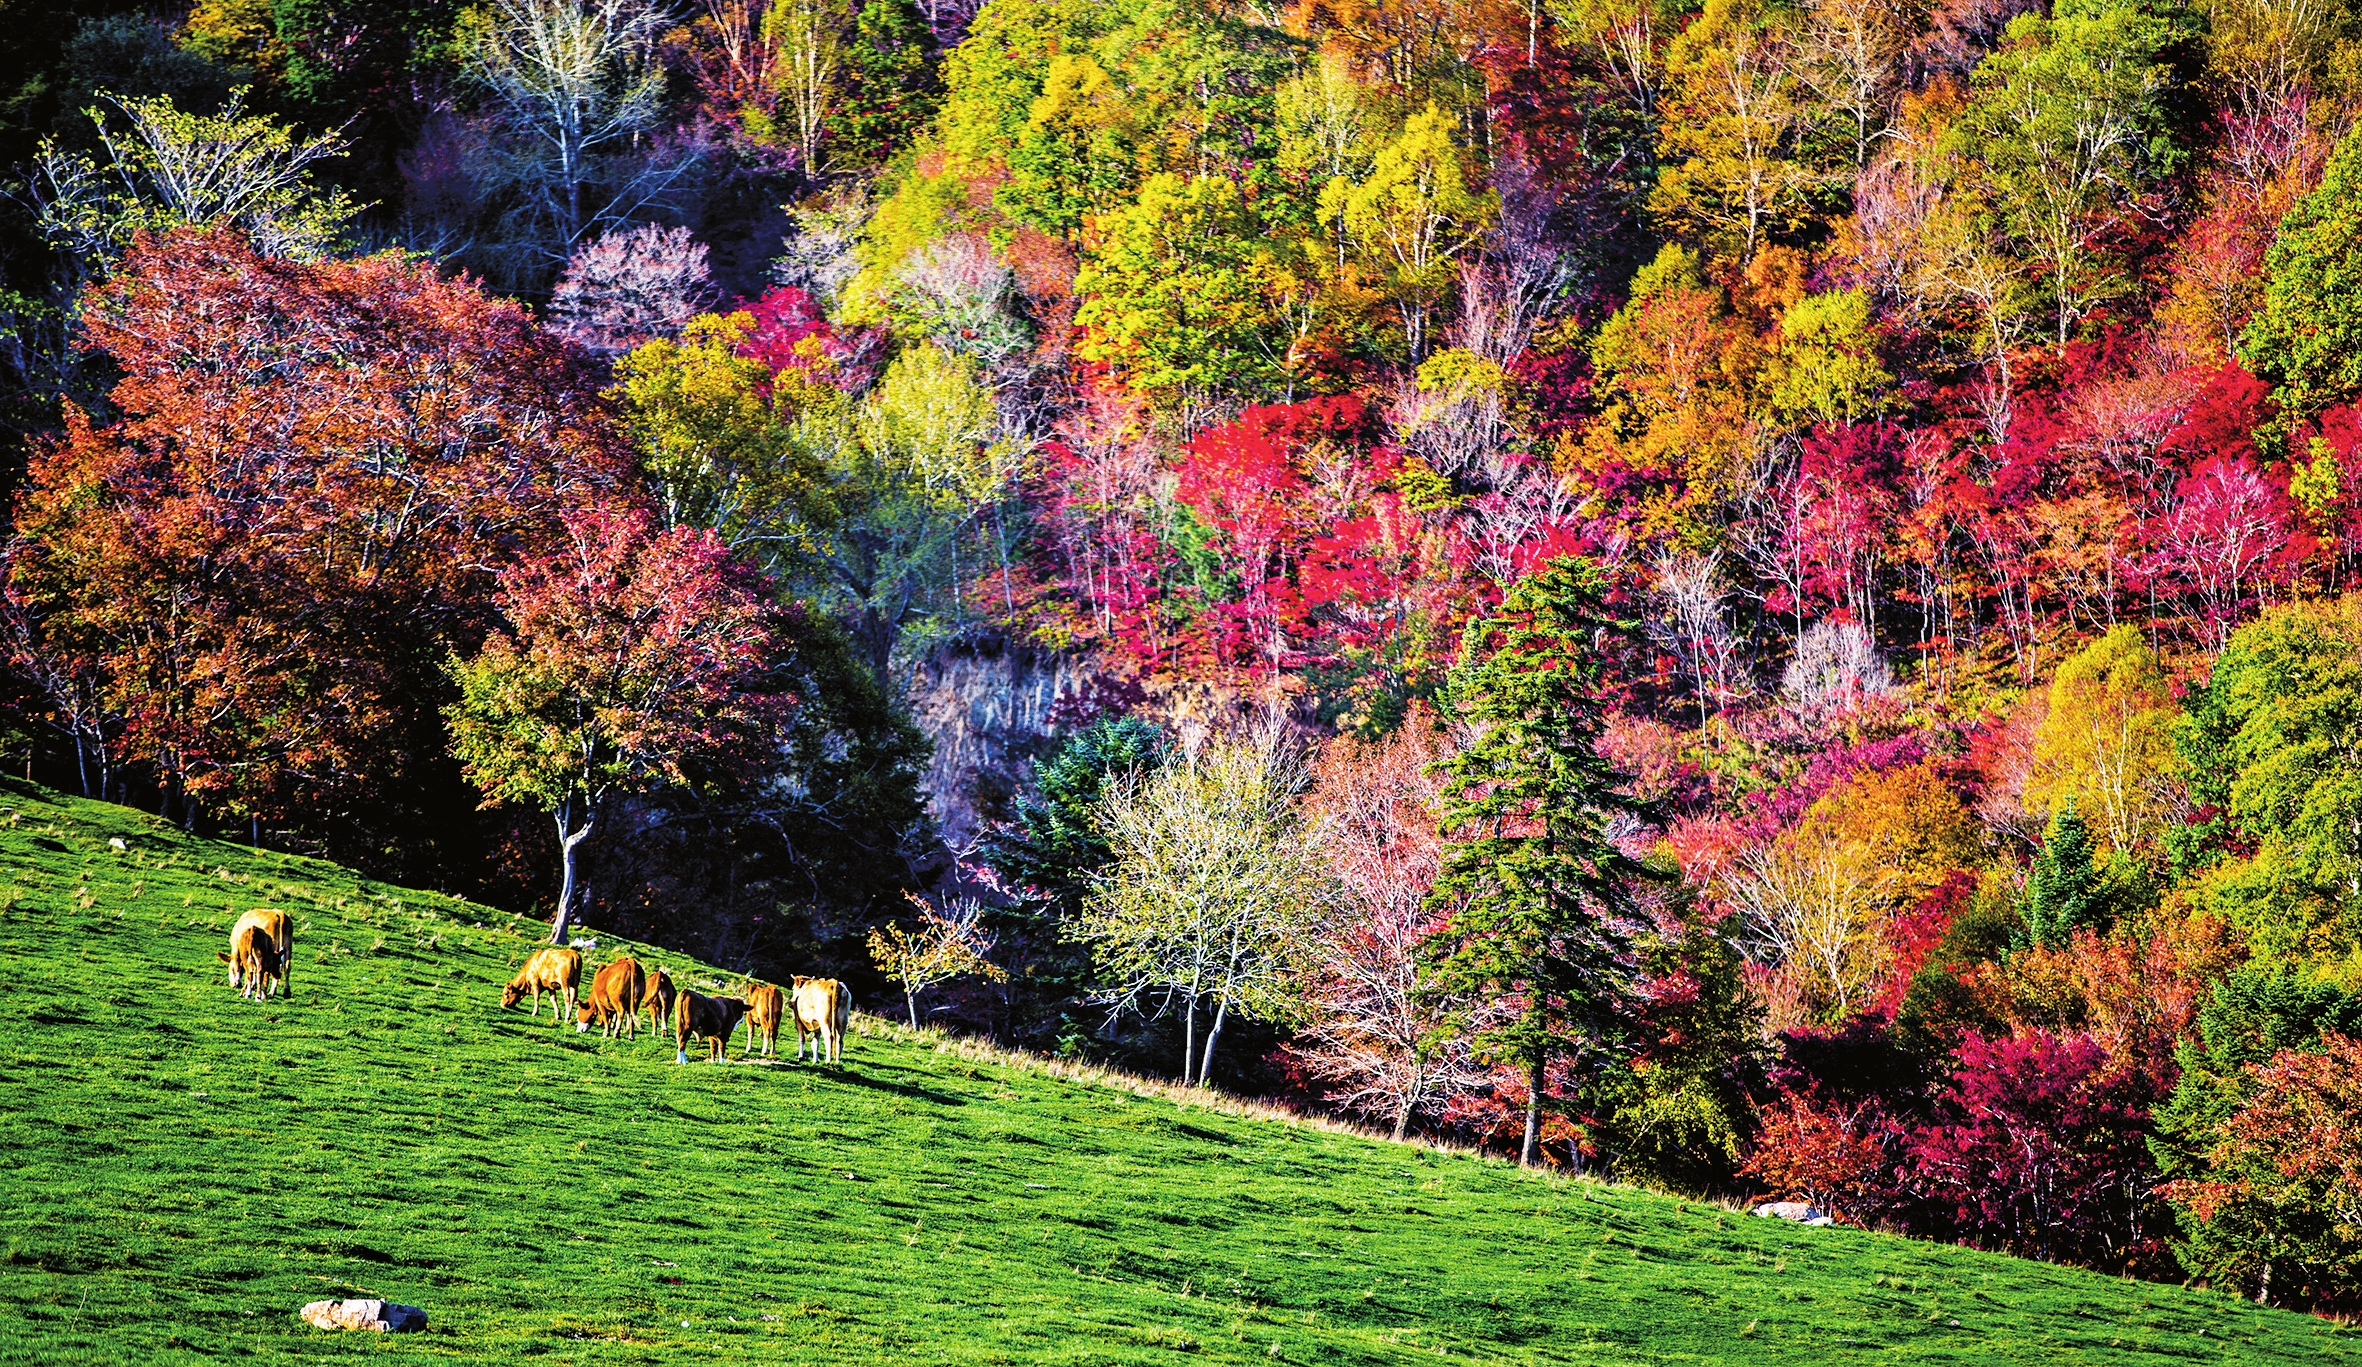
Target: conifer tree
{"x": 2064, "y": 890}
{"x": 1538, "y": 894}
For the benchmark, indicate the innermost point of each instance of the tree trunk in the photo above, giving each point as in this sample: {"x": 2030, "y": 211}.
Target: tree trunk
{"x": 1188, "y": 1037}
{"x": 1410, "y": 1098}
{"x": 1205, "y": 1066}
{"x": 567, "y": 840}
{"x": 910, "y": 1003}
{"x": 1529, "y": 1152}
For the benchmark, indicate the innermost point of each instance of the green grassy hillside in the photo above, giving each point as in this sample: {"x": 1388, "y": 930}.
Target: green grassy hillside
{"x": 179, "y": 1170}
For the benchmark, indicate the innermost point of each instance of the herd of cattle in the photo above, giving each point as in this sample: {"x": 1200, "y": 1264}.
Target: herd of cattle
{"x": 262, "y": 945}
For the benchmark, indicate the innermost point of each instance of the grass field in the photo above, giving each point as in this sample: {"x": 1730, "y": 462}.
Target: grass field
{"x": 179, "y": 1170}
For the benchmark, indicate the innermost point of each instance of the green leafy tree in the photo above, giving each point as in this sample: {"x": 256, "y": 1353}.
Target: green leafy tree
{"x": 1827, "y": 368}
{"x": 1049, "y": 855}
{"x": 1077, "y": 154}
{"x": 1538, "y": 895}
{"x": 2307, "y": 339}
{"x": 890, "y": 87}
{"x": 2069, "y": 124}
{"x": 1415, "y": 215}
{"x": 2260, "y": 1013}
{"x": 164, "y": 167}
{"x": 1176, "y": 293}
{"x": 720, "y": 437}
{"x": 2107, "y": 739}
{"x": 2272, "y": 741}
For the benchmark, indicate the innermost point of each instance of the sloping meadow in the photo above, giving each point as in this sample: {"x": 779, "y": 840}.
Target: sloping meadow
{"x": 180, "y": 1170}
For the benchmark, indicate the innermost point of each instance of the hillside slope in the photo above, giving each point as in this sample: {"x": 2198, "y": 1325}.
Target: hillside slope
{"x": 180, "y": 1169}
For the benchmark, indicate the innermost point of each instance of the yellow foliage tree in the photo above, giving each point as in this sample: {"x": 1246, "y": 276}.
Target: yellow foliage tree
{"x": 2107, "y": 741}
{"x": 1414, "y": 214}
{"x": 946, "y": 944}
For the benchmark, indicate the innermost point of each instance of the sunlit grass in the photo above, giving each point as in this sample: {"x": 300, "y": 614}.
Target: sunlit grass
{"x": 179, "y": 1170}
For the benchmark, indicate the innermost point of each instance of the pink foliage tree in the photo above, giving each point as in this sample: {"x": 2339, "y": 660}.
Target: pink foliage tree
{"x": 2227, "y": 540}
{"x": 1377, "y": 1036}
{"x": 630, "y": 285}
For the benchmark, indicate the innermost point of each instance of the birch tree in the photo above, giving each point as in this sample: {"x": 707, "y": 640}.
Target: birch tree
{"x": 571, "y": 77}
{"x": 1215, "y": 884}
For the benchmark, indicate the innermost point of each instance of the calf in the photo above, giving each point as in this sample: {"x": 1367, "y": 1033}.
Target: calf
{"x": 614, "y": 1000}
{"x": 657, "y": 998}
{"x": 712, "y": 1019}
{"x": 764, "y": 1004}
{"x": 824, "y": 1007}
{"x": 254, "y": 960}
{"x": 556, "y": 970}
{"x": 280, "y": 927}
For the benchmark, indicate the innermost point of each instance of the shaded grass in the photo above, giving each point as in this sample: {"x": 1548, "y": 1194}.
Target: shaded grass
{"x": 180, "y": 1170}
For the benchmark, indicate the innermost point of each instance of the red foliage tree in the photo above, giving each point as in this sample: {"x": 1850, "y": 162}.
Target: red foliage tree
{"x": 241, "y": 587}
{"x": 1839, "y": 1157}
{"x": 2040, "y": 1146}
{"x": 633, "y": 659}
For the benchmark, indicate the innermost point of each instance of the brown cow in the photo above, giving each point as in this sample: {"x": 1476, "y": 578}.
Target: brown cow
{"x": 712, "y": 1019}
{"x": 557, "y": 970}
{"x": 657, "y": 998}
{"x": 614, "y": 1000}
{"x": 281, "y": 928}
{"x": 254, "y": 960}
{"x": 764, "y": 1005}
{"x": 824, "y": 1007}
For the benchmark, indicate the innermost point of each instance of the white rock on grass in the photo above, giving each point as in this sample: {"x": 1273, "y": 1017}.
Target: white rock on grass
{"x": 1802, "y": 1212}
{"x": 382, "y": 1317}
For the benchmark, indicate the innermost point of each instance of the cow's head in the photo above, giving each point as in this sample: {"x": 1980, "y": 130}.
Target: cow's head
{"x": 510, "y": 993}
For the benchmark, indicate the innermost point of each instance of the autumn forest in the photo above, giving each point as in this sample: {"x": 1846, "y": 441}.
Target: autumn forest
{"x": 1753, "y": 596}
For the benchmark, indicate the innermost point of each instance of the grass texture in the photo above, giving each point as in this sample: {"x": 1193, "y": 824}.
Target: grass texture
{"x": 180, "y": 1170}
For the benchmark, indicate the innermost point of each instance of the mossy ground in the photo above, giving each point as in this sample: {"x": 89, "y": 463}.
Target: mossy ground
{"x": 180, "y": 1169}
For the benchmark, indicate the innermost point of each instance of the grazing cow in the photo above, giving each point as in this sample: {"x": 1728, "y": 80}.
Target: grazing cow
{"x": 552, "y": 969}
{"x": 824, "y": 1007}
{"x": 254, "y": 960}
{"x": 764, "y": 1004}
{"x": 712, "y": 1019}
{"x": 657, "y": 997}
{"x": 614, "y": 1000}
{"x": 281, "y": 928}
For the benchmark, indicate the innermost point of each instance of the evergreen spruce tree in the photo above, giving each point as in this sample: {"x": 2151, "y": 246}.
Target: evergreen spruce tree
{"x": 1047, "y": 857}
{"x": 2064, "y": 890}
{"x": 1535, "y": 890}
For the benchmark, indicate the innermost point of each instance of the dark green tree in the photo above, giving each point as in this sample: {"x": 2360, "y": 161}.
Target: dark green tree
{"x": 891, "y": 89}
{"x": 2257, "y": 1012}
{"x": 1536, "y": 894}
{"x": 2307, "y": 338}
{"x": 1046, "y": 859}
{"x": 2065, "y": 890}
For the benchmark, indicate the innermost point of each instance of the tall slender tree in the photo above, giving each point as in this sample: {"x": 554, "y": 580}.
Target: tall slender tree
{"x": 1539, "y": 895}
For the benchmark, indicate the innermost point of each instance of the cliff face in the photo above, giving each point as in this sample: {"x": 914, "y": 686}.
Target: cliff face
{"x": 990, "y": 706}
